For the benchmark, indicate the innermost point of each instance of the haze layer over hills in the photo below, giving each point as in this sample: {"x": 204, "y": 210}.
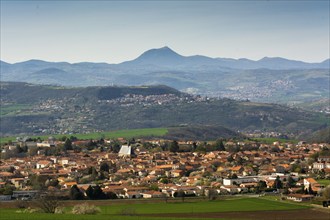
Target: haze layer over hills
{"x": 275, "y": 80}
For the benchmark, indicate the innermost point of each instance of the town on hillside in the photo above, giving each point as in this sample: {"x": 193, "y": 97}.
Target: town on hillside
{"x": 131, "y": 169}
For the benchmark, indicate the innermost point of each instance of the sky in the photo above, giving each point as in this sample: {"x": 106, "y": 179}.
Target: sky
{"x": 117, "y": 31}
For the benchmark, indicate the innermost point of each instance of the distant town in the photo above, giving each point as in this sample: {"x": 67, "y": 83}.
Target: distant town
{"x": 157, "y": 168}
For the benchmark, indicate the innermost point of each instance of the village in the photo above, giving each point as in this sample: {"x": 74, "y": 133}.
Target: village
{"x": 132, "y": 169}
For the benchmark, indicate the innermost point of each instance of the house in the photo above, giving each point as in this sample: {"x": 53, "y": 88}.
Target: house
{"x": 282, "y": 168}
{"x": 117, "y": 189}
{"x": 64, "y": 161}
{"x": 152, "y": 194}
{"x": 25, "y": 194}
{"x": 188, "y": 190}
{"x": 321, "y": 165}
{"x": 237, "y": 169}
{"x": 133, "y": 195}
{"x": 240, "y": 180}
{"x": 5, "y": 197}
{"x": 248, "y": 185}
{"x": 324, "y": 159}
{"x": 299, "y": 197}
{"x": 6, "y": 175}
{"x": 231, "y": 189}
{"x": 68, "y": 185}
{"x": 312, "y": 183}
{"x": 125, "y": 151}
{"x": 2, "y": 184}
{"x": 19, "y": 183}
{"x": 44, "y": 144}
{"x": 42, "y": 164}
{"x": 177, "y": 173}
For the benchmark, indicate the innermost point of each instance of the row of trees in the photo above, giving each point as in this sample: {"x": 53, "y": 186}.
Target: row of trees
{"x": 92, "y": 192}
{"x": 203, "y": 147}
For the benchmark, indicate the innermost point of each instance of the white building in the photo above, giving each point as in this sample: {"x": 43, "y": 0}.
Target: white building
{"x": 240, "y": 180}
{"x": 125, "y": 151}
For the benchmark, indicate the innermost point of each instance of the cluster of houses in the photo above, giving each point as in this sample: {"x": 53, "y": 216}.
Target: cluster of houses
{"x": 139, "y": 173}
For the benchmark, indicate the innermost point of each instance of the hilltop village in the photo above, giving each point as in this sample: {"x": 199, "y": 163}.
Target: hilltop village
{"x": 131, "y": 169}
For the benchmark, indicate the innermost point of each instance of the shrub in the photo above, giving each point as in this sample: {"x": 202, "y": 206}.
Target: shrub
{"x": 85, "y": 209}
{"x": 47, "y": 203}
{"x": 59, "y": 210}
{"x": 30, "y": 210}
{"x": 127, "y": 211}
{"x": 21, "y": 204}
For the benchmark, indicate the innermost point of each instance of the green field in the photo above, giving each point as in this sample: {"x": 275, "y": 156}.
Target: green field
{"x": 136, "y": 133}
{"x": 13, "y": 109}
{"x": 272, "y": 140}
{"x": 245, "y": 204}
{"x": 324, "y": 182}
{"x": 140, "y": 210}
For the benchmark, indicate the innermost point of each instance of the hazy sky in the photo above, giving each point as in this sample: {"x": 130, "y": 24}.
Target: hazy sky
{"x": 116, "y": 31}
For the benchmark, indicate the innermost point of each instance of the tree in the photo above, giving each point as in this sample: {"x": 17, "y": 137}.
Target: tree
{"x": 230, "y": 158}
{"x": 90, "y": 192}
{"x": 164, "y": 180}
{"x": 239, "y": 160}
{"x": 73, "y": 138}
{"x": 310, "y": 190}
{"x": 212, "y": 194}
{"x": 201, "y": 148}
{"x": 165, "y": 197}
{"x": 291, "y": 182}
{"x": 174, "y": 147}
{"x": 68, "y": 144}
{"x": 181, "y": 194}
{"x": 278, "y": 183}
{"x": 261, "y": 185}
{"x": 98, "y": 192}
{"x": 194, "y": 146}
{"x": 37, "y": 181}
{"x": 104, "y": 167}
{"x": 75, "y": 193}
{"x": 48, "y": 203}
{"x": 7, "y": 189}
{"x": 326, "y": 193}
{"x": 154, "y": 187}
{"x": 51, "y": 182}
{"x": 92, "y": 171}
{"x": 95, "y": 192}
{"x": 112, "y": 195}
{"x": 115, "y": 147}
{"x": 219, "y": 146}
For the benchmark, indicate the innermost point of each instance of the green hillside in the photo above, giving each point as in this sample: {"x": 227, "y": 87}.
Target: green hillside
{"x": 38, "y": 110}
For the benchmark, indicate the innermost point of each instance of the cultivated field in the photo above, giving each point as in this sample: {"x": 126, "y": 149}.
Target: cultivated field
{"x": 136, "y": 133}
{"x": 238, "y": 208}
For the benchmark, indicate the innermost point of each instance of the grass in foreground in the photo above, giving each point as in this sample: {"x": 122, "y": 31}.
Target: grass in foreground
{"x": 242, "y": 204}
{"x": 111, "y": 212}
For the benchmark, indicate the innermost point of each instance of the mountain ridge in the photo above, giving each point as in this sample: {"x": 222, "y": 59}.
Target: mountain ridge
{"x": 265, "y": 80}
{"x": 168, "y": 51}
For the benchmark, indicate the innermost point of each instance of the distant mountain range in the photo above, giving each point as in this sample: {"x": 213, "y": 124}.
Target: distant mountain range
{"x": 166, "y": 57}
{"x": 266, "y": 80}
